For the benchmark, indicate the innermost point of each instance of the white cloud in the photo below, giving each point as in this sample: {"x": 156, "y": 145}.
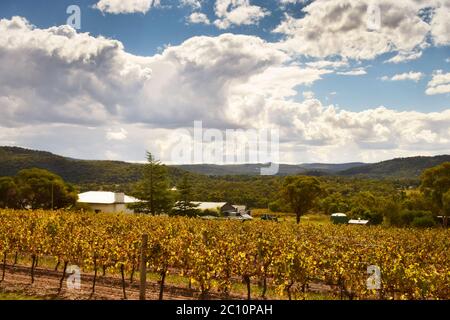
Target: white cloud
{"x": 354, "y": 72}
{"x": 321, "y": 64}
{"x": 87, "y": 79}
{"x": 308, "y": 95}
{"x": 119, "y": 135}
{"x": 70, "y": 92}
{"x": 340, "y": 27}
{"x": 194, "y": 4}
{"x": 237, "y": 12}
{"x": 414, "y": 76}
{"x": 404, "y": 57}
{"x": 111, "y": 155}
{"x": 126, "y": 6}
{"x": 440, "y": 25}
{"x": 93, "y": 80}
{"x": 198, "y": 17}
{"x": 439, "y": 84}
{"x": 284, "y": 2}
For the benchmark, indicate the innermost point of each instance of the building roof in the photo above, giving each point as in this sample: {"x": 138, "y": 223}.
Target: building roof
{"x": 209, "y": 205}
{"x": 358, "y": 221}
{"x": 104, "y": 197}
{"x": 246, "y": 216}
{"x": 338, "y": 215}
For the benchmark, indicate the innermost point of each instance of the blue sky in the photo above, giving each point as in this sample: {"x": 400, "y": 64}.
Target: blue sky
{"x": 167, "y": 25}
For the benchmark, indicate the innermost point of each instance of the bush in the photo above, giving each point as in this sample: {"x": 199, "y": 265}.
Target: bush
{"x": 279, "y": 206}
{"x": 84, "y": 207}
{"x": 374, "y": 217}
{"x": 408, "y": 216}
{"x": 423, "y": 222}
{"x": 208, "y": 212}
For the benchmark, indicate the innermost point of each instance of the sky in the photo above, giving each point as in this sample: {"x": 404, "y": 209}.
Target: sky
{"x": 338, "y": 80}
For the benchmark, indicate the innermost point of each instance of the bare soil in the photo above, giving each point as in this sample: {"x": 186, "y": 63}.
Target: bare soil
{"x": 46, "y": 286}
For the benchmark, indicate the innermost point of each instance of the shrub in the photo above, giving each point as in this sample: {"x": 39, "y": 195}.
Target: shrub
{"x": 408, "y": 216}
{"x": 423, "y": 222}
{"x": 374, "y": 217}
{"x": 208, "y": 212}
{"x": 279, "y": 206}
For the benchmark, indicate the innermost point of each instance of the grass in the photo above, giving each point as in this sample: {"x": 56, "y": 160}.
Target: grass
{"x": 16, "y": 296}
{"x": 315, "y": 218}
{"x": 321, "y": 219}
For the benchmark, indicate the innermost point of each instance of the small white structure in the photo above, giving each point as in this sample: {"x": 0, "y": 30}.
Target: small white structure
{"x": 110, "y": 202}
{"x": 359, "y": 221}
{"x": 246, "y": 216}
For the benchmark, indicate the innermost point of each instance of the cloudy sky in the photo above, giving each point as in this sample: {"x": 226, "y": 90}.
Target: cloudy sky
{"x": 340, "y": 82}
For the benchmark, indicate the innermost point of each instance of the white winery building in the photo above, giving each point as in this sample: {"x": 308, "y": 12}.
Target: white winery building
{"x": 110, "y": 202}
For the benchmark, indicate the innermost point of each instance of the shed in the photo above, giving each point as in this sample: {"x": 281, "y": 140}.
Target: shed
{"x": 339, "y": 218}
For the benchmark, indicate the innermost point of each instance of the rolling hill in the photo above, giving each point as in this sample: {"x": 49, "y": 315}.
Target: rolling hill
{"x": 13, "y": 159}
{"x": 397, "y": 168}
{"x": 255, "y": 169}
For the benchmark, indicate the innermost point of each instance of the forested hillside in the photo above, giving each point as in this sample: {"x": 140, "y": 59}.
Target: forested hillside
{"x": 253, "y": 190}
{"x": 397, "y": 168}
{"x": 14, "y": 159}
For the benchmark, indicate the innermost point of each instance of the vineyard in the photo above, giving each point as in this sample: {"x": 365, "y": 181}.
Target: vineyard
{"x": 213, "y": 255}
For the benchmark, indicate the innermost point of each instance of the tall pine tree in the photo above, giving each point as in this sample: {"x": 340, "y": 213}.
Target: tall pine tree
{"x": 184, "y": 205}
{"x": 153, "y": 189}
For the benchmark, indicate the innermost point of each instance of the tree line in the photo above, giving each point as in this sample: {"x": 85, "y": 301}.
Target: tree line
{"x": 36, "y": 189}
{"x": 417, "y": 207}
{"x": 394, "y": 202}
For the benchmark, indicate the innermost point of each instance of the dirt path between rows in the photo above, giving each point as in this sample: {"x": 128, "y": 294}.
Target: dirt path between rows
{"x": 46, "y": 285}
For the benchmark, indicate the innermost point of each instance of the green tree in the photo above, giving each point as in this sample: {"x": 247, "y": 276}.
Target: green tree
{"x": 366, "y": 205}
{"x": 416, "y": 200}
{"x": 153, "y": 189}
{"x": 446, "y": 205}
{"x": 9, "y": 193}
{"x": 184, "y": 205}
{"x": 300, "y": 193}
{"x": 390, "y": 209}
{"x": 334, "y": 203}
{"x": 41, "y": 189}
{"x": 435, "y": 184}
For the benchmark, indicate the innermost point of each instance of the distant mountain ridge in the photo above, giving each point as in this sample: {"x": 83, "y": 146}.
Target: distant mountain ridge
{"x": 255, "y": 169}
{"x": 13, "y": 159}
{"x": 397, "y": 168}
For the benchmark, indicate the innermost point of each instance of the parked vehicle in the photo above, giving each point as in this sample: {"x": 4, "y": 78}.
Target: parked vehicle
{"x": 268, "y": 217}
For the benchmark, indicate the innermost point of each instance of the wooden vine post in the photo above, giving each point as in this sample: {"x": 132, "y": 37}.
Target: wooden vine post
{"x": 143, "y": 267}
